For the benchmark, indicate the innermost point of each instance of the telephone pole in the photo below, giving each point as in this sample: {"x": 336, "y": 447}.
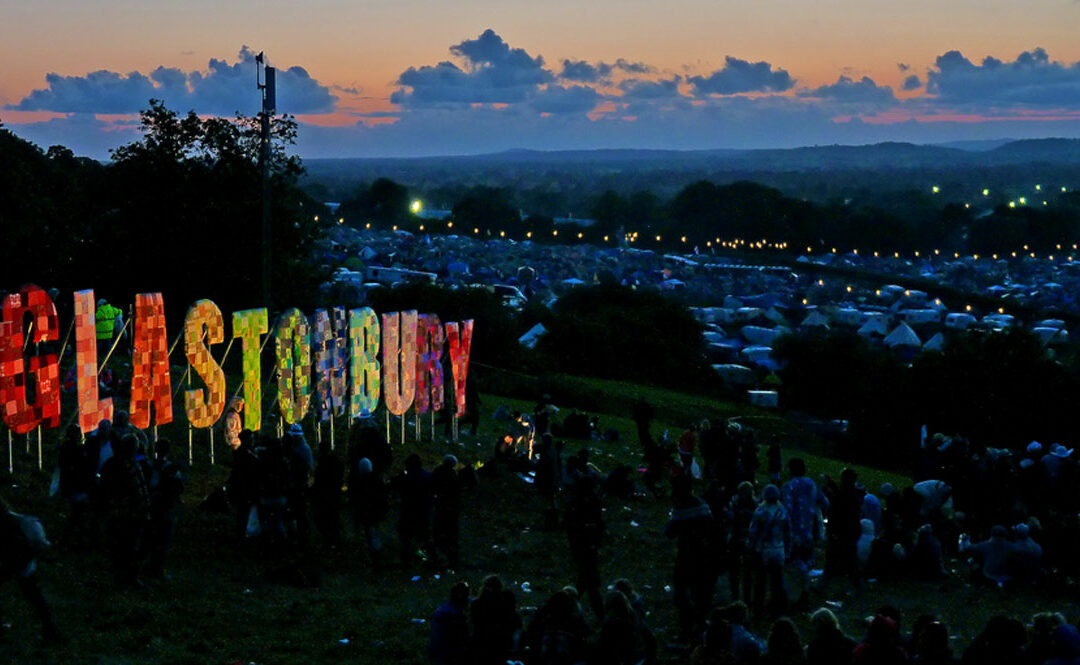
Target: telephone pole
{"x": 265, "y": 81}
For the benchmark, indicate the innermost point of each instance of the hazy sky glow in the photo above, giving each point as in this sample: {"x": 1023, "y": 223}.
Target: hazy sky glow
{"x": 409, "y": 77}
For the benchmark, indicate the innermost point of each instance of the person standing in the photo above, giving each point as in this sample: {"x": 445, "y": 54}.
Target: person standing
{"x": 301, "y": 463}
{"x": 234, "y": 423}
{"x": 326, "y": 495}
{"x": 446, "y": 519}
{"x": 166, "y": 484}
{"x": 770, "y": 540}
{"x": 18, "y": 562}
{"x": 127, "y": 500}
{"x": 414, "y": 518}
{"x": 583, "y": 520}
{"x": 368, "y": 502}
{"x": 805, "y": 505}
{"x": 691, "y": 524}
{"x": 449, "y": 641}
{"x": 109, "y": 321}
{"x": 845, "y": 515}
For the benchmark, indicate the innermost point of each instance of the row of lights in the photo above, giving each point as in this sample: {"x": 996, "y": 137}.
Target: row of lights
{"x": 986, "y": 192}
{"x": 907, "y": 293}
{"x": 735, "y": 244}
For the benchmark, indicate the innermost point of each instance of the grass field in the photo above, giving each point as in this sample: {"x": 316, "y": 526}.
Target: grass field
{"x": 220, "y": 606}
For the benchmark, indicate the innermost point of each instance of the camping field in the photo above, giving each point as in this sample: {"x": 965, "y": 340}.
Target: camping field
{"x": 228, "y": 605}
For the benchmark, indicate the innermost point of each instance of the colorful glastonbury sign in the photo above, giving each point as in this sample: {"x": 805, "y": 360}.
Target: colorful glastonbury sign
{"x": 355, "y": 361}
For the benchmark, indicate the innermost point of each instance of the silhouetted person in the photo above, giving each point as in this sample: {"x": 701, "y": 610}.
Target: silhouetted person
{"x": 275, "y": 484}
{"x": 77, "y": 480}
{"x": 369, "y": 442}
{"x": 449, "y": 641}
{"x": 583, "y": 520}
{"x": 446, "y": 514}
{"x": 301, "y": 464}
{"x": 166, "y": 484}
{"x": 368, "y": 502}
{"x": 695, "y": 573}
{"x": 242, "y": 487}
{"x": 414, "y": 518}
{"x": 127, "y": 499}
{"x": 326, "y": 495}
{"x": 495, "y": 622}
{"x": 18, "y": 562}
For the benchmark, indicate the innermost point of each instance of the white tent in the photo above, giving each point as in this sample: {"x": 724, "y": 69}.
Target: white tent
{"x": 529, "y": 339}
{"x": 903, "y": 335}
{"x": 735, "y": 375}
{"x": 776, "y": 316}
{"x": 874, "y": 326}
{"x": 815, "y": 320}
{"x": 756, "y": 354}
{"x": 919, "y": 316}
{"x": 760, "y": 336}
{"x": 959, "y": 320}
{"x": 1048, "y": 335}
{"x": 847, "y": 316}
{"x": 935, "y": 343}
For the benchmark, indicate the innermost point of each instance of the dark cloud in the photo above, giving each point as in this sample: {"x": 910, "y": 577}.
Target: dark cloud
{"x": 493, "y": 73}
{"x": 903, "y": 66}
{"x": 849, "y": 91}
{"x": 223, "y": 89}
{"x": 556, "y": 99}
{"x": 346, "y": 90}
{"x": 489, "y": 49}
{"x": 600, "y": 72}
{"x": 738, "y": 76}
{"x": 645, "y": 89}
{"x": 910, "y": 83}
{"x": 1030, "y": 81}
{"x": 584, "y": 72}
{"x": 634, "y": 67}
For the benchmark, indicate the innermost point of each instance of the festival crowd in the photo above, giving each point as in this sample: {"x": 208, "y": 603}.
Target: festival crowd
{"x": 1008, "y": 517}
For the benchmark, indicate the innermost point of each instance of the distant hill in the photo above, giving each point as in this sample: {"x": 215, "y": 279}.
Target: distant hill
{"x": 814, "y": 172}
{"x": 879, "y": 155}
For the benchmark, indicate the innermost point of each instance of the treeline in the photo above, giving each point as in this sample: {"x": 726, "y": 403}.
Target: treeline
{"x": 710, "y": 216}
{"x": 178, "y": 211}
{"x": 1000, "y": 390}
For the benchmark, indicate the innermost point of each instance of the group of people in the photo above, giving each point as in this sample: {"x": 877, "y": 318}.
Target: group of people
{"x": 766, "y": 533}
{"x": 122, "y": 490}
{"x": 489, "y": 630}
{"x": 770, "y": 535}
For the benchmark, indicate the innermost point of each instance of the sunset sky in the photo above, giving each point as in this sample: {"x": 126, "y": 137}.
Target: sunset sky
{"x": 407, "y": 78}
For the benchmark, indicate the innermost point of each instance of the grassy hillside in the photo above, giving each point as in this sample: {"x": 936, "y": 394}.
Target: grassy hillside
{"x": 224, "y": 605}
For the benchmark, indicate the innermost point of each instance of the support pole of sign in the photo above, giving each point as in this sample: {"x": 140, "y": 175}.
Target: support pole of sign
{"x": 39, "y": 462}
{"x": 10, "y": 454}
{"x": 211, "y": 446}
{"x": 331, "y": 428}
{"x": 190, "y": 436}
